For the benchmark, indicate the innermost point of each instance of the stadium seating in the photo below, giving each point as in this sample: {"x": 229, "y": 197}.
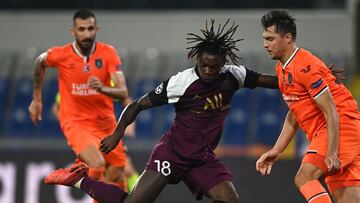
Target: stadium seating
{"x": 239, "y": 118}
{"x": 146, "y": 120}
{"x": 20, "y": 123}
{"x": 4, "y": 85}
{"x": 49, "y": 126}
{"x": 269, "y": 115}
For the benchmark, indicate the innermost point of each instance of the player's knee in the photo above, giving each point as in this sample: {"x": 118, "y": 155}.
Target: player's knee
{"x": 115, "y": 175}
{"x": 93, "y": 160}
{"x": 95, "y": 163}
{"x": 301, "y": 178}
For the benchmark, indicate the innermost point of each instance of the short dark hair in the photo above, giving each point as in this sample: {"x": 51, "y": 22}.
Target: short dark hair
{"x": 83, "y": 14}
{"x": 219, "y": 42}
{"x": 281, "y": 19}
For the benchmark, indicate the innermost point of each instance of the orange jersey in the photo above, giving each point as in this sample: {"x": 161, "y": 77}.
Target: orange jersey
{"x": 79, "y": 103}
{"x": 301, "y": 80}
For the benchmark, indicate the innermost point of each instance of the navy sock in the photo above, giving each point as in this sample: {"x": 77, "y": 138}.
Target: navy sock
{"x": 102, "y": 192}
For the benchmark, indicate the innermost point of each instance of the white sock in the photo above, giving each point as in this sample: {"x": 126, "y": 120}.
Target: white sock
{"x": 77, "y": 184}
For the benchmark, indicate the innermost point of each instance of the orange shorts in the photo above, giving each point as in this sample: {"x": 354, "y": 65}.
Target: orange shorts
{"x": 349, "y": 154}
{"x": 347, "y": 176}
{"x": 79, "y": 136}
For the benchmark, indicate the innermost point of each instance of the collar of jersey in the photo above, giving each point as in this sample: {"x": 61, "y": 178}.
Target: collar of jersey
{"x": 291, "y": 57}
{"x": 80, "y": 54}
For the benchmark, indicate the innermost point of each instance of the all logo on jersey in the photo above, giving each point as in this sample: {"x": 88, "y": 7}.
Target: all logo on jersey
{"x": 159, "y": 89}
{"x": 214, "y": 102}
{"x": 86, "y": 68}
{"x": 98, "y": 63}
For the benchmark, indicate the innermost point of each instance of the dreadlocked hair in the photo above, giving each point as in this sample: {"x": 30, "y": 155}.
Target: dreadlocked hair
{"x": 220, "y": 42}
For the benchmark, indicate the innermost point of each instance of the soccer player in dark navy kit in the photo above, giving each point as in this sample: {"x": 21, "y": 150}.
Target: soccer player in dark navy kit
{"x": 202, "y": 98}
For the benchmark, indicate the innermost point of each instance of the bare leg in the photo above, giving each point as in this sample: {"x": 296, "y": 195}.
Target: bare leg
{"x": 148, "y": 187}
{"x": 115, "y": 175}
{"x": 307, "y": 172}
{"x": 224, "y": 192}
{"x": 92, "y": 157}
{"x": 307, "y": 181}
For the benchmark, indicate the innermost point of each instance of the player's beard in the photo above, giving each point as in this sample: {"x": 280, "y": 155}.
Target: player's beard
{"x": 85, "y": 45}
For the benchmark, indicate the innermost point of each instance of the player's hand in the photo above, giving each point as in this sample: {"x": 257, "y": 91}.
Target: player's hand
{"x": 265, "y": 163}
{"x": 130, "y": 130}
{"x": 35, "y": 110}
{"x": 332, "y": 162}
{"x": 94, "y": 83}
{"x": 339, "y": 73}
{"x": 109, "y": 143}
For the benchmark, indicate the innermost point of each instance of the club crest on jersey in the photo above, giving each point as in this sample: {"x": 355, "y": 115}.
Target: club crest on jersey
{"x": 98, "y": 63}
{"x": 290, "y": 79}
{"x": 159, "y": 89}
{"x": 86, "y": 68}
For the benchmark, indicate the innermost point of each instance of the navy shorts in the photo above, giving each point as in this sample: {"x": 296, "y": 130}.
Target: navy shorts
{"x": 198, "y": 175}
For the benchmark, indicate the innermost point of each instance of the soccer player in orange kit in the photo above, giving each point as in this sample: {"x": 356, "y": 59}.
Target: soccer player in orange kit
{"x": 86, "y": 68}
{"x": 324, "y": 109}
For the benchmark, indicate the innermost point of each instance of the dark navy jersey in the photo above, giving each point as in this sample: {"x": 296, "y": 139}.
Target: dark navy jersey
{"x": 200, "y": 107}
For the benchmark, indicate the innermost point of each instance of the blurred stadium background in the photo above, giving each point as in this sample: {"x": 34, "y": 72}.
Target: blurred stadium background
{"x": 150, "y": 38}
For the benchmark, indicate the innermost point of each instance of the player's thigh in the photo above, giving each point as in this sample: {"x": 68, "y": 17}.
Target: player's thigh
{"x": 212, "y": 179}
{"x": 85, "y": 144}
{"x": 114, "y": 173}
{"x": 148, "y": 187}
{"x": 92, "y": 156}
{"x": 224, "y": 191}
{"x": 347, "y": 195}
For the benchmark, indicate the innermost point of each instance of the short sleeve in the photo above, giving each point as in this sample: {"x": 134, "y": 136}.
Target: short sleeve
{"x": 173, "y": 89}
{"x": 239, "y": 72}
{"x": 312, "y": 80}
{"x": 113, "y": 61}
{"x": 53, "y": 56}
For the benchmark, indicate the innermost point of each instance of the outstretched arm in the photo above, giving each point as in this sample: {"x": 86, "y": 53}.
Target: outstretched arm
{"x": 268, "y": 81}
{"x": 35, "y": 108}
{"x": 271, "y": 81}
{"x": 266, "y": 161}
{"x": 127, "y": 117}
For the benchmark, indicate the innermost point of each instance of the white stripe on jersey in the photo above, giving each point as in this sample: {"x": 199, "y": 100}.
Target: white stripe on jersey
{"x": 321, "y": 92}
{"x": 178, "y": 84}
{"x": 239, "y": 72}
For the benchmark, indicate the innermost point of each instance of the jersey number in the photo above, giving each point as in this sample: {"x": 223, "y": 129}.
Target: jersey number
{"x": 163, "y": 167}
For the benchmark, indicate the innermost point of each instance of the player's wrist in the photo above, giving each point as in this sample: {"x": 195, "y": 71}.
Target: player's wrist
{"x": 104, "y": 89}
{"x": 277, "y": 150}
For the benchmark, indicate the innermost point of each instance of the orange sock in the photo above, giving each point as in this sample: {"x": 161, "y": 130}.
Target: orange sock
{"x": 314, "y": 192}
